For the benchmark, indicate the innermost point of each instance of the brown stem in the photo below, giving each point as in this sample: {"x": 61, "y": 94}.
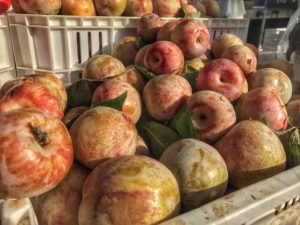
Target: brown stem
{"x": 41, "y": 136}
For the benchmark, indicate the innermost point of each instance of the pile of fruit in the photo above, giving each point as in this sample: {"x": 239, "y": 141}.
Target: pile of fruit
{"x": 162, "y": 136}
{"x": 135, "y": 8}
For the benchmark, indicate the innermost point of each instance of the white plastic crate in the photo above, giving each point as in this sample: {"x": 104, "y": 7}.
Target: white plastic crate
{"x": 62, "y": 44}
{"x": 7, "y": 64}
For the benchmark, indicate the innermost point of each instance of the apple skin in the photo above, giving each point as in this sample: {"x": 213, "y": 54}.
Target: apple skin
{"x": 126, "y": 50}
{"x": 224, "y": 41}
{"x": 78, "y": 7}
{"x": 129, "y": 190}
{"x": 166, "y": 8}
{"x": 148, "y": 27}
{"x": 110, "y": 7}
{"x": 165, "y": 94}
{"x": 190, "y": 160}
{"x": 112, "y": 89}
{"x": 29, "y": 95}
{"x": 222, "y": 76}
{"x": 192, "y": 37}
{"x": 212, "y": 115}
{"x": 60, "y": 206}
{"x": 138, "y": 8}
{"x": 102, "y": 133}
{"x": 254, "y": 49}
{"x": 243, "y": 56}
{"x": 135, "y": 78}
{"x": 45, "y": 7}
{"x": 164, "y": 57}
{"x": 263, "y": 103}
{"x": 252, "y": 152}
{"x": 281, "y": 65}
{"x": 165, "y": 32}
{"x": 269, "y": 77}
{"x": 36, "y": 152}
{"x": 102, "y": 67}
{"x": 139, "y": 58}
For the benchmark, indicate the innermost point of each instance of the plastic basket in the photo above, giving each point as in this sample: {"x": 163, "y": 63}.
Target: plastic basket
{"x": 62, "y": 44}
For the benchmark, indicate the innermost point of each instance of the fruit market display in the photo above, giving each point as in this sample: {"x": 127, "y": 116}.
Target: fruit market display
{"x": 163, "y": 126}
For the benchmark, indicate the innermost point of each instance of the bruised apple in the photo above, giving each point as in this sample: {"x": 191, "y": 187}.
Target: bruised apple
{"x": 78, "y": 7}
{"x": 111, "y": 89}
{"x": 102, "y": 133}
{"x": 36, "y": 153}
{"x": 252, "y": 152}
{"x": 46, "y": 7}
{"x": 148, "y": 27}
{"x": 138, "y": 8}
{"x": 110, "y": 7}
{"x": 165, "y": 94}
{"x": 224, "y": 41}
{"x": 129, "y": 190}
{"x": 60, "y": 205}
{"x": 200, "y": 171}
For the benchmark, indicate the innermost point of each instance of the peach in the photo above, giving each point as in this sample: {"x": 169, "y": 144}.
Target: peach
{"x": 139, "y": 58}
{"x": 46, "y": 7}
{"x": 252, "y": 152}
{"x": 78, "y": 7}
{"x": 254, "y": 49}
{"x": 135, "y": 78}
{"x": 138, "y": 8}
{"x": 164, "y": 57}
{"x": 166, "y": 8}
{"x": 126, "y": 50}
{"x": 101, "y": 67}
{"x": 165, "y": 94}
{"x": 165, "y": 32}
{"x": 243, "y": 56}
{"x": 273, "y": 78}
{"x": 190, "y": 160}
{"x": 222, "y": 76}
{"x": 110, "y": 7}
{"x": 112, "y": 89}
{"x": 192, "y": 37}
{"x": 200, "y": 7}
{"x": 212, "y": 8}
{"x": 281, "y": 65}
{"x": 141, "y": 147}
{"x": 224, "y": 41}
{"x": 102, "y": 133}
{"x": 148, "y": 27}
{"x": 263, "y": 103}
{"x": 212, "y": 115}
{"x": 129, "y": 190}
{"x": 293, "y": 109}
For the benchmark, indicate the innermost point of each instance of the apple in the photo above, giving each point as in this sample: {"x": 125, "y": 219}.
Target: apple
{"x": 4, "y": 5}
{"x": 36, "y": 153}
{"x": 224, "y": 41}
{"x": 222, "y": 76}
{"x": 199, "y": 169}
{"x": 112, "y": 89}
{"x": 165, "y": 94}
{"x": 138, "y": 8}
{"x": 212, "y": 115}
{"x": 189, "y": 8}
{"x": 165, "y": 32}
{"x": 29, "y": 95}
{"x": 200, "y": 7}
{"x": 252, "y": 152}
{"x": 139, "y": 58}
{"x": 254, "y": 49}
{"x": 269, "y": 77}
{"x": 166, "y": 8}
{"x": 212, "y": 8}
{"x": 78, "y": 7}
{"x": 110, "y": 7}
{"x": 129, "y": 190}
{"x": 102, "y": 67}
{"x": 135, "y": 78}
{"x": 46, "y": 7}
{"x": 73, "y": 114}
{"x": 192, "y": 37}
{"x": 141, "y": 147}
{"x": 60, "y": 206}
{"x": 281, "y": 65}
{"x": 263, "y": 103}
{"x": 148, "y": 27}
{"x": 102, "y": 133}
{"x": 126, "y": 50}
{"x": 164, "y": 57}
{"x": 242, "y": 56}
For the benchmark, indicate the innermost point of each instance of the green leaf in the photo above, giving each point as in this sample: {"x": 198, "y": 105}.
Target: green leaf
{"x": 290, "y": 121}
{"x": 159, "y": 137}
{"x": 194, "y": 15}
{"x": 265, "y": 121}
{"x": 116, "y": 103}
{"x": 140, "y": 43}
{"x": 148, "y": 74}
{"x": 191, "y": 75}
{"x": 182, "y": 123}
{"x": 293, "y": 148}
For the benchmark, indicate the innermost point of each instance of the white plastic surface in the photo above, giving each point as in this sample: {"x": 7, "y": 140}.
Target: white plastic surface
{"x": 62, "y": 44}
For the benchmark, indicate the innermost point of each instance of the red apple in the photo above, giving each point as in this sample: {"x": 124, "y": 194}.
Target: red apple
{"x": 192, "y": 37}
{"x": 166, "y": 8}
{"x": 164, "y": 95}
{"x": 129, "y": 190}
{"x": 222, "y": 76}
{"x": 138, "y": 8}
{"x": 139, "y": 58}
{"x": 102, "y": 133}
{"x": 224, "y": 41}
{"x": 46, "y": 7}
{"x": 212, "y": 115}
{"x": 164, "y": 57}
{"x": 165, "y": 32}
{"x": 112, "y": 89}
{"x": 263, "y": 103}
{"x": 148, "y": 27}
{"x": 36, "y": 153}
{"x": 254, "y": 49}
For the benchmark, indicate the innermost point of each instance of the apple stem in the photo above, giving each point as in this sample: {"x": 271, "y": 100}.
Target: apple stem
{"x": 41, "y": 136}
